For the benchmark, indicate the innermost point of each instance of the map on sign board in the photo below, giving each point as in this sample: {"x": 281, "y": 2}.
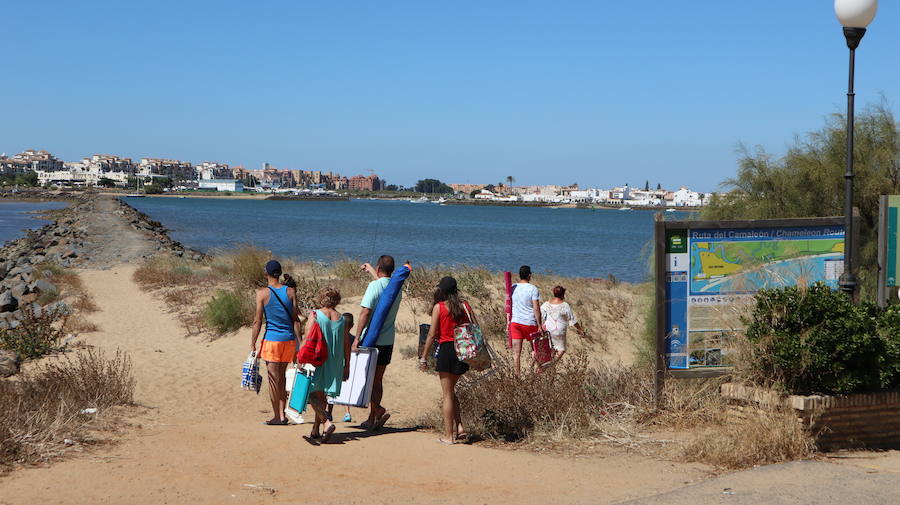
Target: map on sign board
{"x": 712, "y": 275}
{"x": 741, "y": 266}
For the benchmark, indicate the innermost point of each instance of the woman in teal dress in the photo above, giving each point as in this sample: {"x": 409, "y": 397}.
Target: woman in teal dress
{"x": 328, "y": 377}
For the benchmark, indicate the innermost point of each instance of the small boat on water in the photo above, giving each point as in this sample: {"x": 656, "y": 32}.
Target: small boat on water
{"x": 134, "y": 195}
{"x": 624, "y": 208}
{"x": 670, "y": 210}
{"x": 440, "y": 201}
{"x": 419, "y": 200}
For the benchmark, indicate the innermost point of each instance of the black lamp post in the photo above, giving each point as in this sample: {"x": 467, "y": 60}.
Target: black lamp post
{"x": 855, "y": 16}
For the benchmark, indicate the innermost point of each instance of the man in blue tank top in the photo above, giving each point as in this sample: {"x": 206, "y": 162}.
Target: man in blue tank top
{"x": 382, "y": 271}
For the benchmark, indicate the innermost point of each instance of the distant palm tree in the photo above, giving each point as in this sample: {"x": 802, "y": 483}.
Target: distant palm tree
{"x": 510, "y": 180}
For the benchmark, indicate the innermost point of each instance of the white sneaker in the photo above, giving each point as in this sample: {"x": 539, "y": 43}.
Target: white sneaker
{"x": 293, "y": 416}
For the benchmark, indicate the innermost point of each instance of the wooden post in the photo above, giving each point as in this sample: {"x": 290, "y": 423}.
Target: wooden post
{"x": 659, "y": 257}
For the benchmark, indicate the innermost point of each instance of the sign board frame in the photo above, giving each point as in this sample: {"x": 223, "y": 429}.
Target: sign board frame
{"x": 888, "y": 250}
{"x": 663, "y": 234}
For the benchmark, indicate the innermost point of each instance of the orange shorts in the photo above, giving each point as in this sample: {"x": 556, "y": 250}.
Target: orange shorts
{"x": 278, "y": 352}
{"x": 521, "y": 331}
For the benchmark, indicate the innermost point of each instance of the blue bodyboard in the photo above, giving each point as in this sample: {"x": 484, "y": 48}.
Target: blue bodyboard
{"x": 383, "y": 308}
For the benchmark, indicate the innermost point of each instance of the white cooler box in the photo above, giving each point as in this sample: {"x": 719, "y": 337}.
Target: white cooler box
{"x": 357, "y": 389}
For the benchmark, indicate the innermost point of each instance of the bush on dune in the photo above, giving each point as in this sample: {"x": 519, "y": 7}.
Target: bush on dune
{"x": 228, "y": 311}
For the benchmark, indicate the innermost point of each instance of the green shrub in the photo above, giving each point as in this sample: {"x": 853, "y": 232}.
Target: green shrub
{"x": 41, "y": 332}
{"x": 815, "y": 340}
{"x": 228, "y": 311}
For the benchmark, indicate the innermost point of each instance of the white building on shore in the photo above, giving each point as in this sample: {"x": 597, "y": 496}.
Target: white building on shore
{"x": 232, "y": 185}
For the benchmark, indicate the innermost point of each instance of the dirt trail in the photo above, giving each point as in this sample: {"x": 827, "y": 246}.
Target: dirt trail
{"x": 202, "y": 439}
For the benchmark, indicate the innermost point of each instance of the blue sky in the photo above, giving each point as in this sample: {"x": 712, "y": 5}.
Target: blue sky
{"x": 596, "y": 92}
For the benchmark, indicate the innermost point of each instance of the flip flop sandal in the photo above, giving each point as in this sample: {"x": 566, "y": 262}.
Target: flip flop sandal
{"x": 328, "y": 432}
{"x": 442, "y": 441}
{"x": 379, "y": 423}
{"x": 366, "y": 425}
{"x": 283, "y": 422}
{"x": 462, "y": 435}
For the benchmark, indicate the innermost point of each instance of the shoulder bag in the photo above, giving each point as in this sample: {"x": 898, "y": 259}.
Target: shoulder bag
{"x": 469, "y": 344}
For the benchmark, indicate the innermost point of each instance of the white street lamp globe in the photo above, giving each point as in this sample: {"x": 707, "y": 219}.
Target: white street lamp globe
{"x": 855, "y": 13}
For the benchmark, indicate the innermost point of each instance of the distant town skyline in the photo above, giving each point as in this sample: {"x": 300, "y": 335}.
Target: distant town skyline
{"x": 583, "y": 91}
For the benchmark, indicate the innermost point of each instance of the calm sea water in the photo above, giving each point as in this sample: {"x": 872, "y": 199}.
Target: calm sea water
{"x": 15, "y": 217}
{"x": 574, "y": 242}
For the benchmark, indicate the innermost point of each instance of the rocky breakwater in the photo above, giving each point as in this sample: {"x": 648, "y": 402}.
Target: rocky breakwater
{"x": 157, "y": 232}
{"x": 59, "y": 242}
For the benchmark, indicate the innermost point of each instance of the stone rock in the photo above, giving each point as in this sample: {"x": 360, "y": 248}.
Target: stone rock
{"x": 37, "y": 258}
{"x": 70, "y": 253}
{"x": 9, "y": 363}
{"x": 21, "y": 269}
{"x": 19, "y": 290}
{"x": 8, "y": 302}
{"x": 42, "y": 286}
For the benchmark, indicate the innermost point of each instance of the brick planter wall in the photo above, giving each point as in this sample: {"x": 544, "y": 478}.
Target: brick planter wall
{"x": 858, "y": 420}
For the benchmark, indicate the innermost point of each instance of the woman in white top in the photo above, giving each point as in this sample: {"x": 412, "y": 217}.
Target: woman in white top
{"x": 558, "y": 316}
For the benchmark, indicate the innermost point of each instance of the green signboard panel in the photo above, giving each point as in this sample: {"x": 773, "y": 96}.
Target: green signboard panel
{"x": 892, "y": 260}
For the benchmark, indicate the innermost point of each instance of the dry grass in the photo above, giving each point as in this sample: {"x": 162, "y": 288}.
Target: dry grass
{"x": 243, "y": 266}
{"x": 167, "y": 271}
{"x": 41, "y": 410}
{"x": 578, "y": 407}
{"x": 70, "y": 287}
{"x": 755, "y": 438}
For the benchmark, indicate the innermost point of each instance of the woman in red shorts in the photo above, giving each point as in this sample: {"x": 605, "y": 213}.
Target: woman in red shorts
{"x": 526, "y": 313}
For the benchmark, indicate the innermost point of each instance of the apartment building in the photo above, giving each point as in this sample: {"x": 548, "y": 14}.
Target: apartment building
{"x": 173, "y": 169}
{"x": 108, "y": 163}
{"x": 209, "y": 170}
{"x": 32, "y": 159}
{"x": 365, "y": 183}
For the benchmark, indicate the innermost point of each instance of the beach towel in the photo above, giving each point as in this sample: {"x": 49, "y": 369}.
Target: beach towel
{"x": 383, "y": 308}
{"x": 251, "y": 380}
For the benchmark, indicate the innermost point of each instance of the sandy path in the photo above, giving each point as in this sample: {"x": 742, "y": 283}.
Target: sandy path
{"x": 201, "y": 439}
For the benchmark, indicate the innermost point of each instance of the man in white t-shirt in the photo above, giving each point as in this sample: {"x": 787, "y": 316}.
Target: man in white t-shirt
{"x": 526, "y": 313}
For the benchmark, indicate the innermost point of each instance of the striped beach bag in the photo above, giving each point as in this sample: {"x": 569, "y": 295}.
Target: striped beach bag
{"x": 251, "y": 380}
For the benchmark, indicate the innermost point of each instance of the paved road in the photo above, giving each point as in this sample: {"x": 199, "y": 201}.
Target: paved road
{"x": 864, "y": 482}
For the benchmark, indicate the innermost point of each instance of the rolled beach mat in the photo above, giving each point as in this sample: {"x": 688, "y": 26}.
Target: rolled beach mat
{"x": 383, "y": 308}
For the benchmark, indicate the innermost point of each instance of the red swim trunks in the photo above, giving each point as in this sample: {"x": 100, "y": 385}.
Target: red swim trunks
{"x": 521, "y": 331}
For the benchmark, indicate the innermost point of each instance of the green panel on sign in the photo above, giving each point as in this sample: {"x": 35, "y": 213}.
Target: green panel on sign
{"x": 676, "y": 241}
{"x": 893, "y": 237}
